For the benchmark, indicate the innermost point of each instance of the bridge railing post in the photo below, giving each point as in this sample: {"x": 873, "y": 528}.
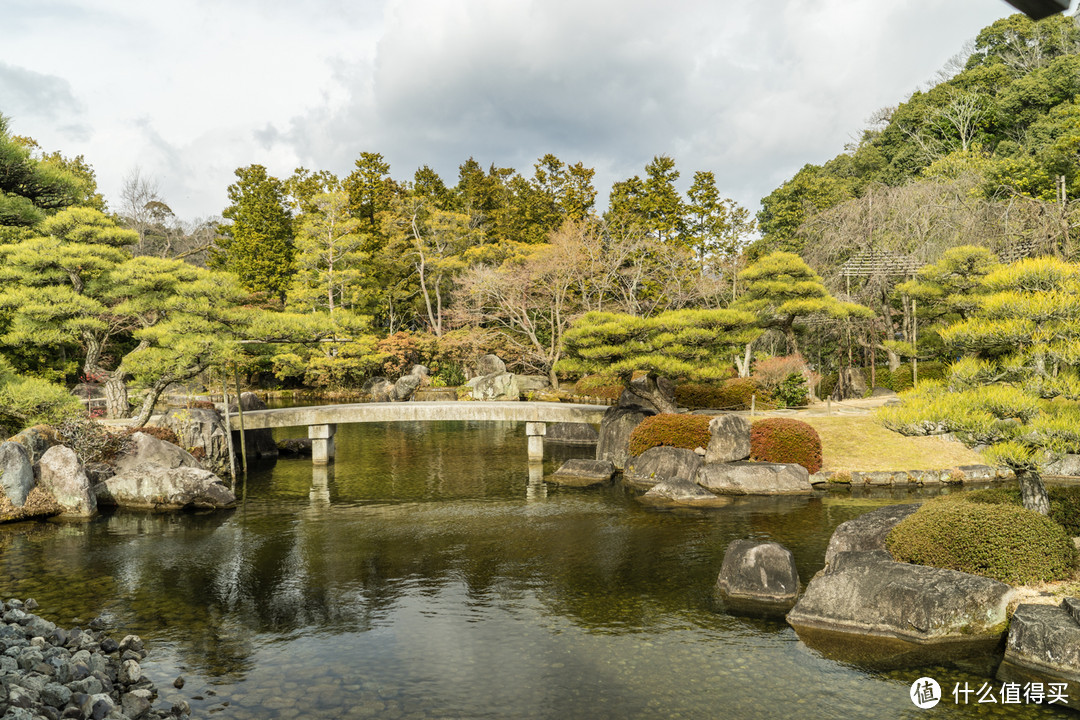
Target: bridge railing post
{"x": 322, "y": 443}
{"x": 536, "y": 431}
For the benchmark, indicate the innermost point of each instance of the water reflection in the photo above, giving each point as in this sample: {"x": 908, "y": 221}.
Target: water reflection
{"x": 430, "y": 572}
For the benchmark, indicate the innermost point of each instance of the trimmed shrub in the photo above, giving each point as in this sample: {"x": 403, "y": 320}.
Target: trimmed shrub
{"x": 1003, "y": 542}
{"x": 782, "y": 440}
{"x": 672, "y": 430}
{"x": 161, "y": 433}
{"x": 600, "y": 386}
{"x": 1064, "y": 503}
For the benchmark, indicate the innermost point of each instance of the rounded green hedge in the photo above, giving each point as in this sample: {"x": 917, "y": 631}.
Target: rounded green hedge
{"x": 782, "y": 440}
{"x": 1064, "y": 503}
{"x": 999, "y": 541}
{"x": 599, "y": 386}
{"x": 670, "y": 429}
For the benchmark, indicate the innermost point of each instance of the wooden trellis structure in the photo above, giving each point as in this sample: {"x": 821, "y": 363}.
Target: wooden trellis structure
{"x": 882, "y": 262}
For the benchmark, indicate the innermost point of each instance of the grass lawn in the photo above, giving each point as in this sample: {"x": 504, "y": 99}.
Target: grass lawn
{"x": 859, "y": 442}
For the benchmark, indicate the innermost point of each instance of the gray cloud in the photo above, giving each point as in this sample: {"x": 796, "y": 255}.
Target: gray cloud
{"x": 28, "y": 96}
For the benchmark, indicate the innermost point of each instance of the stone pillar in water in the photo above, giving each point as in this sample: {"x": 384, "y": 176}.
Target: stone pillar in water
{"x": 535, "y": 431}
{"x": 322, "y": 443}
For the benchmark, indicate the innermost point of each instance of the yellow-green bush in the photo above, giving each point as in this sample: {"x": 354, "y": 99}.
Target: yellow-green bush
{"x": 782, "y": 440}
{"x": 1064, "y": 503}
{"x": 999, "y": 541}
{"x": 672, "y": 430}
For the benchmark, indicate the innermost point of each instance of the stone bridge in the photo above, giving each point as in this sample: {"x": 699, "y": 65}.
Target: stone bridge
{"x": 322, "y": 420}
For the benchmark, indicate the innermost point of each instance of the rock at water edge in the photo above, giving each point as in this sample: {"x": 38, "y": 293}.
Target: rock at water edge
{"x": 16, "y": 472}
{"x": 661, "y": 463}
{"x": 758, "y": 576}
{"x": 61, "y": 473}
{"x": 754, "y": 478}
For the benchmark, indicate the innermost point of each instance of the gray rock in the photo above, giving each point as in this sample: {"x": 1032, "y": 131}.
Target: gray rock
{"x": 36, "y": 440}
{"x": 1065, "y": 466}
{"x": 866, "y": 532}
{"x": 531, "y": 383}
{"x": 501, "y": 386}
{"x": 758, "y": 576}
{"x": 97, "y": 706}
{"x": 870, "y": 609}
{"x": 615, "y": 429}
{"x": 577, "y": 434}
{"x": 130, "y": 672}
{"x": 16, "y": 472}
{"x": 661, "y": 463}
{"x": 729, "y": 439}
{"x": 380, "y": 389}
{"x": 1044, "y": 646}
{"x": 405, "y": 387}
{"x": 259, "y": 444}
{"x": 137, "y": 703}
{"x": 148, "y": 451}
{"x": 55, "y": 695}
{"x": 754, "y": 478}
{"x": 583, "y": 473}
{"x": 61, "y": 473}
{"x": 490, "y": 365}
{"x": 201, "y": 428}
{"x": 166, "y": 489}
{"x": 682, "y": 491}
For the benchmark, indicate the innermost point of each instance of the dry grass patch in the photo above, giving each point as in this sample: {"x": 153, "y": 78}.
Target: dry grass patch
{"x": 39, "y": 503}
{"x": 860, "y": 442}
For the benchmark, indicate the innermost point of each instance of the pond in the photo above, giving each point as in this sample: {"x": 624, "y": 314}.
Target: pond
{"x": 423, "y": 575}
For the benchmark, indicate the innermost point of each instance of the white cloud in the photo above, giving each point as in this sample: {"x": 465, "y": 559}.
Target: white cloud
{"x": 190, "y": 91}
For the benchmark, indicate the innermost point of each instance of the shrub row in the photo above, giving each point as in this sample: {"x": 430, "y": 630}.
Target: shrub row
{"x": 783, "y": 440}
{"x": 600, "y": 386}
{"x": 999, "y": 541}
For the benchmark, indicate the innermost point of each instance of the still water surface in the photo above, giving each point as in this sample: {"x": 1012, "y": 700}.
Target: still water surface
{"x": 425, "y": 576}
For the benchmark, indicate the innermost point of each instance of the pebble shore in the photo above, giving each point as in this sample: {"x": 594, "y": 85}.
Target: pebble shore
{"x": 49, "y": 672}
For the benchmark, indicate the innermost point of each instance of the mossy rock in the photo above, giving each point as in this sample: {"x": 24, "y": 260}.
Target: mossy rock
{"x": 1000, "y": 541}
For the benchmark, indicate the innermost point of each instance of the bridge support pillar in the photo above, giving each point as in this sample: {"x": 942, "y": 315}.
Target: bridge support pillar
{"x": 536, "y": 431}
{"x": 322, "y": 443}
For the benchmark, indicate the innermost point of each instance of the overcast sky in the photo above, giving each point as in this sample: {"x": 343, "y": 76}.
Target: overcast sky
{"x": 190, "y": 90}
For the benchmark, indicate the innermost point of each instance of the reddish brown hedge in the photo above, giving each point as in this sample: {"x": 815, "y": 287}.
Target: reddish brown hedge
{"x": 681, "y": 431}
{"x": 783, "y": 440}
{"x": 599, "y": 386}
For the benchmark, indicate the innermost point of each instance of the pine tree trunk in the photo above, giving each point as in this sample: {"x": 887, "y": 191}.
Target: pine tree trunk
{"x": 116, "y": 396}
{"x": 657, "y": 391}
{"x": 1033, "y": 492}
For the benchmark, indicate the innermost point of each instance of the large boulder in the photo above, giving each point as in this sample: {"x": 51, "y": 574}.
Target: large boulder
{"x": 61, "y": 473}
{"x": 1064, "y": 466}
{"x": 661, "y": 463}
{"x": 868, "y": 531}
{"x": 615, "y": 429}
{"x": 498, "y": 386}
{"x": 758, "y": 577}
{"x": 583, "y": 473}
{"x": 161, "y": 488}
{"x": 148, "y": 451}
{"x": 682, "y": 491}
{"x": 490, "y": 365}
{"x": 579, "y": 434}
{"x": 729, "y": 439}
{"x": 380, "y": 388}
{"x": 203, "y": 433}
{"x": 1044, "y": 646}
{"x": 405, "y": 386}
{"x": 259, "y": 444}
{"x": 754, "y": 478}
{"x": 36, "y": 440}
{"x": 16, "y": 472}
{"x": 867, "y": 608}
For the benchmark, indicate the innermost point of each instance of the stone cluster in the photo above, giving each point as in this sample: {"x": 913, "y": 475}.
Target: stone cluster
{"x": 49, "y": 672}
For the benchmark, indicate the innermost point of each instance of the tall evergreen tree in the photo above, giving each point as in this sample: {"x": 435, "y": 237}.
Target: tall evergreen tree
{"x": 257, "y": 245}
